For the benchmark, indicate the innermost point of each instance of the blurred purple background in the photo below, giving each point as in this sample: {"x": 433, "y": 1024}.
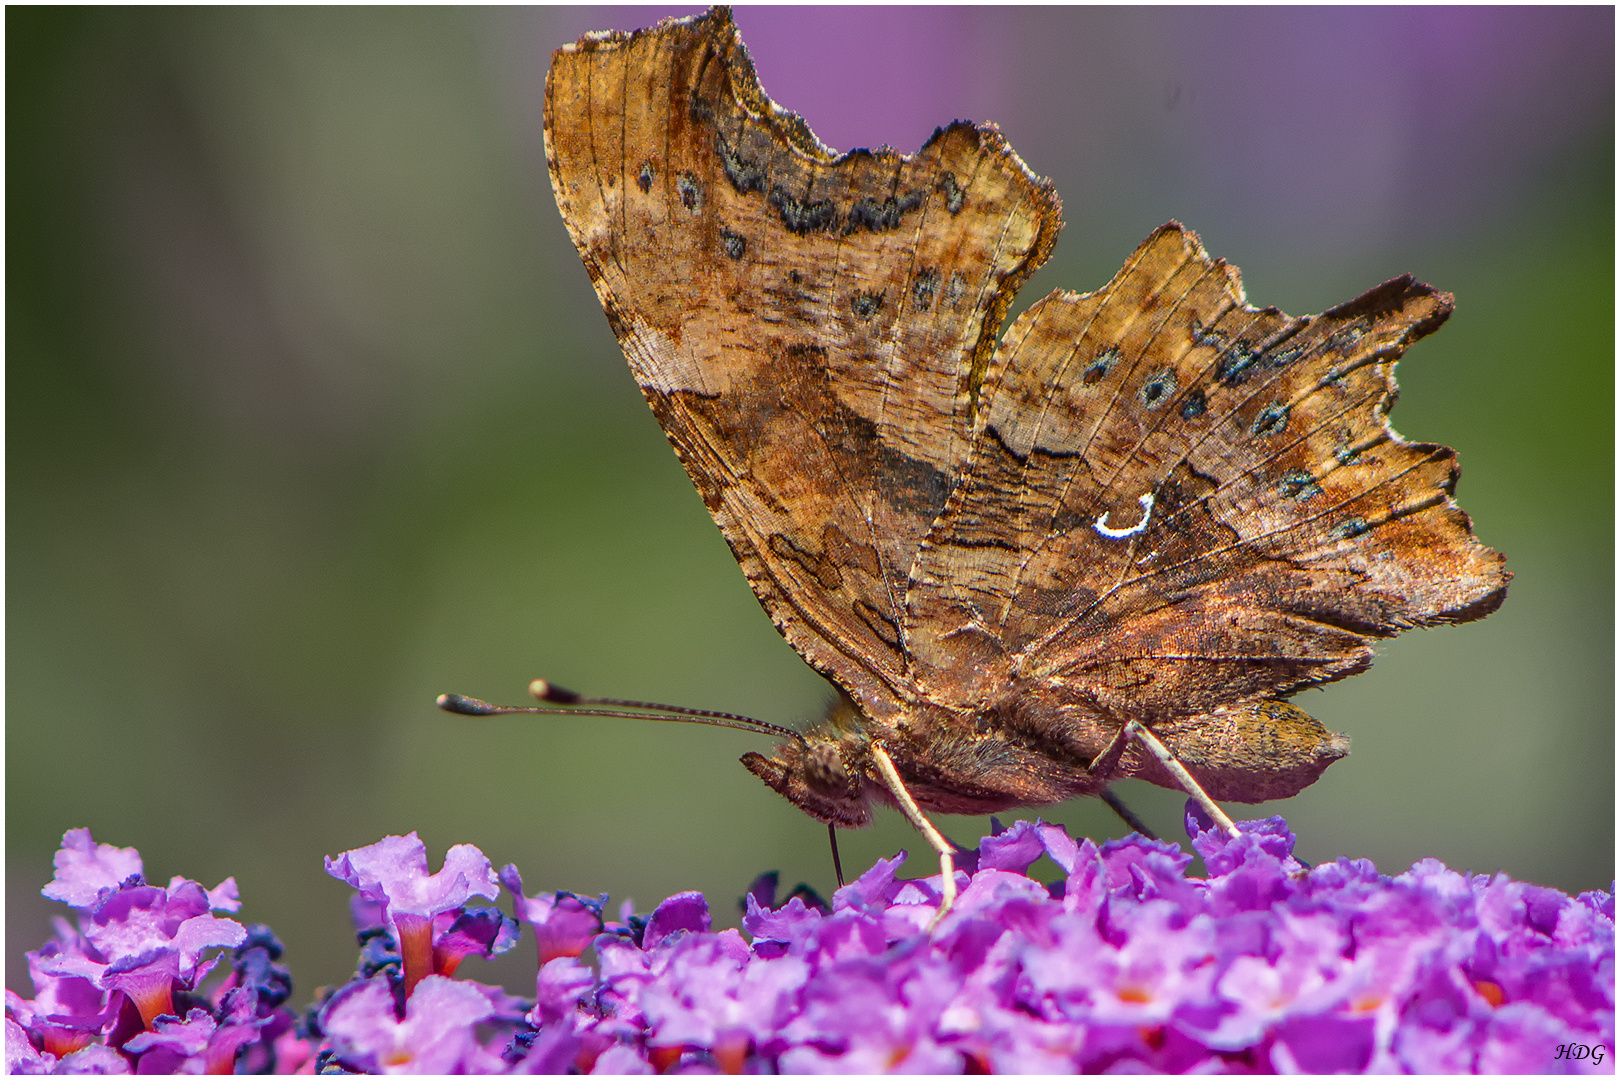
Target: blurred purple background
{"x": 312, "y": 415}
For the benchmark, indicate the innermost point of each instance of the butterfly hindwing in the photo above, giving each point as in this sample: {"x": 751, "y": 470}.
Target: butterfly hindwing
{"x": 1176, "y": 501}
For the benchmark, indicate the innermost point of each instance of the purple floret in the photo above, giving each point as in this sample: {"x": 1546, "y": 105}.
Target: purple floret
{"x": 684, "y": 912}
{"x": 423, "y": 911}
{"x": 438, "y": 1033}
{"x": 563, "y": 924}
{"x": 85, "y": 870}
{"x": 172, "y": 1044}
{"x": 394, "y": 872}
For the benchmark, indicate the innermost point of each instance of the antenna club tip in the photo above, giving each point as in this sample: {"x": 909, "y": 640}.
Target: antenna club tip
{"x": 465, "y": 706}
{"x": 547, "y": 691}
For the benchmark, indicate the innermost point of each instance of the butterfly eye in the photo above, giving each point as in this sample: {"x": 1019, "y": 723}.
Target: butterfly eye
{"x": 825, "y": 770}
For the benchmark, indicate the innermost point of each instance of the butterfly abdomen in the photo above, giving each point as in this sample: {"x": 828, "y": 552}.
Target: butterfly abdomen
{"x": 1248, "y": 754}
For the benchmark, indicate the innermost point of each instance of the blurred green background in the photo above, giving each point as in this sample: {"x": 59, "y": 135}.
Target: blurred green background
{"x": 312, "y": 415}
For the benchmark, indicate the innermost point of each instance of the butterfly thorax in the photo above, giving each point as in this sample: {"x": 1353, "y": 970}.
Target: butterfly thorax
{"x": 952, "y": 762}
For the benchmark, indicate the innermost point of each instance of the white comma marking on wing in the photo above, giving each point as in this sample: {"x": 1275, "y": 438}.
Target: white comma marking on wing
{"x": 1141, "y": 526}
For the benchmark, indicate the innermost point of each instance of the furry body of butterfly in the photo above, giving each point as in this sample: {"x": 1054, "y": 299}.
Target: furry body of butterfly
{"x": 1152, "y": 503}
{"x": 985, "y": 764}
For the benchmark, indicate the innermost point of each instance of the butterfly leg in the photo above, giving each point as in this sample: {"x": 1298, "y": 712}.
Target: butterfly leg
{"x": 1150, "y": 741}
{"x": 1117, "y": 805}
{"x": 908, "y": 806}
{"x": 838, "y": 866}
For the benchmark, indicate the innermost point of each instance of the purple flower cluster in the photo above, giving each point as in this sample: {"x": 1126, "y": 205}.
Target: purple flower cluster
{"x": 1123, "y": 964}
{"x": 123, "y": 988}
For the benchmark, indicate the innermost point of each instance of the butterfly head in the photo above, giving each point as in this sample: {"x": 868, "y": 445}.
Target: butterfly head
{"x": 823, "y": 772}
{"x": 820, "y": 775}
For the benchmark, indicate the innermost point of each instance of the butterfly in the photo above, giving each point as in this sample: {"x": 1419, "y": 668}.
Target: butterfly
{"x": 1106, "y": 543}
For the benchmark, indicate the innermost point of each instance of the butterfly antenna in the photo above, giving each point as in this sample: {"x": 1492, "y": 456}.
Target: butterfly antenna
{"x": 579, "y": 705}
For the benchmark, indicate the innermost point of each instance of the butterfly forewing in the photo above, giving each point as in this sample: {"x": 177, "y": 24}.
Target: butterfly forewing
{"x": 810, "y": 329}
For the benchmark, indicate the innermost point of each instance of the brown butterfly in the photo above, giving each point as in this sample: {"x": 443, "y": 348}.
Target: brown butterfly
{"x": 1106, "y": 546}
